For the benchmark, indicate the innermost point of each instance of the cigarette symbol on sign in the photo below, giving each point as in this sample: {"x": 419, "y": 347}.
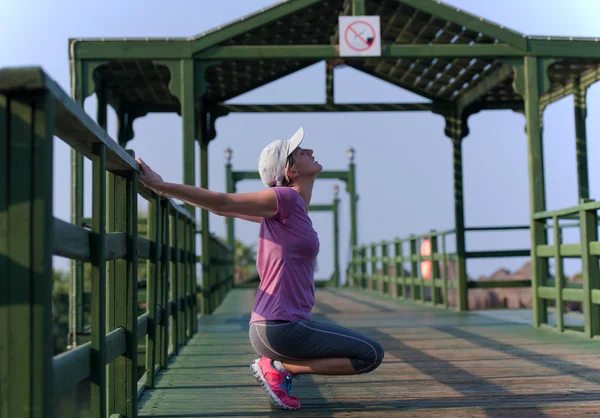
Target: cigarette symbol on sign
{"x": 359, "y": 35}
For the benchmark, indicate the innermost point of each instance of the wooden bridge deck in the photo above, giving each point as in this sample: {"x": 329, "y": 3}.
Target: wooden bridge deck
{"x": 437, "y": 364}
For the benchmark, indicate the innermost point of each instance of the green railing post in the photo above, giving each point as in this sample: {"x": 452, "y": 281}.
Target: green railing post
{"x": 444, "y": 271}
{"x": 98, "y": 308}
{"x": 414, "y": 267}
{"x": 181, "y": 282}
{"x": 435, "y": 270}
{"x": 399, "y": 269}
{"x": 351, "y": 187}
{"x": 26, "y": 245}
{"x": 77, "y": 173}
{"x": 152, "y": 285}
{"x": 174, "y": 285}
{"x": 336, "y": 239}
{"x": 385, "y": 268}
{"x": 230, "y": 188}
{"x": 559, "y": 278}
{"x": 163, "y": 293}
{"x": 363, "y": 267}
{"x": 591, "y": 273}
{"x": 374, "y": 276}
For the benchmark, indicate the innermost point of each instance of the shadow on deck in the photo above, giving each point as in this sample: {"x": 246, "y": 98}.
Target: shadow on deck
{"x": 438, "y": 363}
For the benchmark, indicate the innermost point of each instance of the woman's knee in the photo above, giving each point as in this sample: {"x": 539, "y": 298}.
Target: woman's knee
{"x": 367, "y": 365}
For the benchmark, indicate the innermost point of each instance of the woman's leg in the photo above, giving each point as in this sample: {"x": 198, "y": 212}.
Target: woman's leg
{"x": 309, "y": 347}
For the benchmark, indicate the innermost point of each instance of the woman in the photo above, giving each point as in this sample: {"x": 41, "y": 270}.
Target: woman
{"x": 281, "y": 330}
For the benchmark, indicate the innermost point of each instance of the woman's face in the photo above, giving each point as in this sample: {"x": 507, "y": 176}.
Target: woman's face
{"x": 305, "y": 162}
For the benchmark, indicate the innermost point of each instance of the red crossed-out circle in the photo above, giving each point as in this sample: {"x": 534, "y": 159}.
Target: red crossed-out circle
{"x": 358, "y": 35}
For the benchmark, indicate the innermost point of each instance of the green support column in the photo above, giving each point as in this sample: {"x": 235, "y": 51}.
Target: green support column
{"x": 188, "y": 119}
{"x": 207, "y": 284}
{"x": 336, "y": 238}
{"x": 456, "y": 130}
{"x": 579, "y": 98}
{"x": 351, "y": 187}
{"x": 230, "y": 187}
{"x": 531, "y": 82}
{"x": 76, "y": 291}
{"x": 329, "y": 68}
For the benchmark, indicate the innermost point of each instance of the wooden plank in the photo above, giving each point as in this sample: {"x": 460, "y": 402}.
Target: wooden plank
{"x": 71, "y": 367}
{"x": 438, "y": 363}
{"x": 98, "y": 306}
{"x": 71, "y": 241}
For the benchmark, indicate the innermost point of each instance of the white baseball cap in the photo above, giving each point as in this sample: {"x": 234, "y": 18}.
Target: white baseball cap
{"x": 271, "y": 162}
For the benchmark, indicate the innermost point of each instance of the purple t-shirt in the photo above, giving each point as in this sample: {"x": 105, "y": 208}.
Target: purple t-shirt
{"x": 288, "y": 247}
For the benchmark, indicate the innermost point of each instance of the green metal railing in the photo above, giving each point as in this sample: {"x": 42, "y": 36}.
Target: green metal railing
{"x": 34, "y": 109}
{"x": 587, "y": 250}
{"x": 370, "y": 265}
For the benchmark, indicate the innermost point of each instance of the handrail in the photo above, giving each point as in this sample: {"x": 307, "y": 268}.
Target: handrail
{"x": 34, "y": 109}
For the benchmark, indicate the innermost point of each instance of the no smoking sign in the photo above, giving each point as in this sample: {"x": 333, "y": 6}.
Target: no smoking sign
{"x": 359, "y": 36}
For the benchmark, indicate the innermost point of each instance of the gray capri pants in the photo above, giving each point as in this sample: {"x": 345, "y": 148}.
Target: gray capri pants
{"x": 306, "y": 340}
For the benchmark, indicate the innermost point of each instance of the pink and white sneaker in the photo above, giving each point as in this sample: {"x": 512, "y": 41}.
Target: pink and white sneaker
{"x": 276, "y": 383}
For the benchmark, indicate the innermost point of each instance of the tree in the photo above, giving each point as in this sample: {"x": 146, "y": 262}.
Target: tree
{"x": 245, "y": 261}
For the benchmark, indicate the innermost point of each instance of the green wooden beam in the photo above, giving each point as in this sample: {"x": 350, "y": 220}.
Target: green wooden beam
{"x": 251, "y": 22}
{"x": 321, "y": 52}
{"x": 253, "y": 175}
{"x": 472, "y": 22}
{"x": 565, "y": 48}
{"x": 96, "y": 49}
{"x": 320, "y": 208}
{"x": 314, "y": 107}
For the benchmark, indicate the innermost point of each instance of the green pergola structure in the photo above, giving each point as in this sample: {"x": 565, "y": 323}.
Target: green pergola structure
{"x": 461, "y": 63}
{"x": 233, "y": 177}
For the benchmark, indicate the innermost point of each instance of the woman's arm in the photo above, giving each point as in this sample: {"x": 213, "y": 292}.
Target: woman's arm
{"x": 249, "y": 206}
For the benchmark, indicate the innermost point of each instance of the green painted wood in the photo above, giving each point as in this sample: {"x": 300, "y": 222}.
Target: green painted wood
{"x": 352, "y": 191}
{"x": 23, "y": 353}
{"x": 42, "y": 236}
{"x": 590, "y": 272}
{"x": 329, "y": 82}
{"x": 564, "y": 48}
{"x": 327, "y": 107}
{"x": 98, "y": 305}
{"x": 5, "y": 116}
{"x": 153, "y": 272}
{"x": 435, "y": 271}
{"x": 77, "y": 181}
{"x": 116, "y": 270}
{"x": 579, "y": 100}
{"x": 534, "y": 76}
{"x": 358, "y": 7}
{"x": 326, "y": 52}
{"x": 209, "y": 304}
{"x": 71, "y": 241}
{"x": 413, "y": 269}
{"x": 70, "y": 368}
{"x": 336, "y": 243}
{"x": 181, "y": 283}
{"x": 497, "y": 253}
{"x": 188, "y": 118}
{"x": 174, "y": 285}
{"x": 457, "y": 133}
{"x": 163, "y": 290}
{"x": 498, "y": 284}
{"x": 444, "y": 271}
{"x": 399, "y": 270}
{"x": 559, "y": 281}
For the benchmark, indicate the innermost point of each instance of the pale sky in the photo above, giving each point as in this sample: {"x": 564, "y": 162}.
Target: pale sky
{"x": 404, "y": 161}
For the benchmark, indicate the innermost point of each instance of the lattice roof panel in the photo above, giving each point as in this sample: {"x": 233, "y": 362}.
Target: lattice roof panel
{"x": 403, "y": 22}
